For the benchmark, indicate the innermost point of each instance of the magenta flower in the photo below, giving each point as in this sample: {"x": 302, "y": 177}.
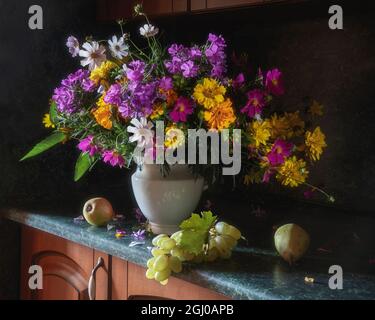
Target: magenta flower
{"x": 274, "y": 83}
{"x": 88, "y": 145}
{"x": 256, "y": 102}
{"x": 281, "y": 149}
{"x": 238, "y": 81}
{"x": 267, "y": 176}
{"x": 113, "y": 158}
{"x": 181, "y": 110}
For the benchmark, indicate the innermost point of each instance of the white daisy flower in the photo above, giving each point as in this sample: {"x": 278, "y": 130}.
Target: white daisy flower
{"x": 73, "y": 46}
{"x": 94, "y": 55}
{"x": 118, "y": 47}
{"x": 148, "y": 30}
{"x": 142, "y": 133}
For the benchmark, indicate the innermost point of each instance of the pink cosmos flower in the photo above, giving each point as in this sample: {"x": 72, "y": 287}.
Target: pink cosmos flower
{"x": 274, "y": 83}
{"x": 181, "y": 110}
{"x": 88, "y": 145}
{"x": 238, "y": 81}
{"x": 256, "y": 102}
{"x": 113, "y": 158}
{"x": 281, "y": 149}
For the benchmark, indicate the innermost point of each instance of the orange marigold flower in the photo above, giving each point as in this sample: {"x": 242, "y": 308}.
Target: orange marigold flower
{"x": 220, "y": 117}
{"x": 103, "y": 114}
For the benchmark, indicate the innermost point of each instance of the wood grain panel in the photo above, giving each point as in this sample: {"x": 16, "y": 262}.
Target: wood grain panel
{"x": 119, "y": 279}
{"x": 213, "y": 4}
{"x": 139, "y": 285}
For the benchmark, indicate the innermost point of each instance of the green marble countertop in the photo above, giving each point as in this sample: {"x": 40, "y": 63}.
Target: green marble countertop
{"x": 250, "y": 274}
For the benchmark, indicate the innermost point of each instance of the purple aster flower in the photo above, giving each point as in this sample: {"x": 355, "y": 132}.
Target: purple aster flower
{"x": 73, "y": 46}
{"x": 195, "y": 52}
{"x": 189, "y": 69}
{"x": 166, "y": 83}
{"x": 238, "y": 81}
{"x": 88, "y": 145}
{"x": 113, "y": 158}
{"x": 135, "y": 70}
{"x": 113, "y": 95}
{"x": 215, "y": 54}
{"x": 139, "y": 235}
{"x": 64, "y": 98}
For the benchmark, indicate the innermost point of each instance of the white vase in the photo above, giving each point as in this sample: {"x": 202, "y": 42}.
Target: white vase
{"x": 166, "y": 201}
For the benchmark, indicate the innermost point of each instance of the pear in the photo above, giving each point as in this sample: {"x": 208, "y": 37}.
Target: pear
{"x": 291, "y": 242}
{"x": 98, "y": 211}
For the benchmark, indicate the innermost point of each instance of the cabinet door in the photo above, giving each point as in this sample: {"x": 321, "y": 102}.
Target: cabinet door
{"x": 139, "y": 287}
{"x": 66, "y": 266}
{"x": 158, "y": 7}
{"x": 216, "y": 4}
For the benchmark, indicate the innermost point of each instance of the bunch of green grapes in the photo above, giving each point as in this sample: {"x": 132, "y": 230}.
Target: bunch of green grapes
{"x": 164, "y": 260}
{"x": 223, "y": 238}
{"x": 168, "y": 255}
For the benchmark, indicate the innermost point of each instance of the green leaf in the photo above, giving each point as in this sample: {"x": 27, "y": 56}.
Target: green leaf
{"x": 193, "y": 240}
{"x": 83, "y": 164}
{"x": 53, "y": 112}
{"x": 199, "y": 222}
{"x": 195, "y": 231}
{"x": 46, "y": 144}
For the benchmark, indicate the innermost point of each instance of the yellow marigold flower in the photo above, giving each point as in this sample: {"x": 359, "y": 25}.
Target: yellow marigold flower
{"x": 209, "y": 93}
{"x": 293, "y": 172}
{"x": 174, "y": 137}
{"x": 295, "y": 123}
{"x": 279, "y": 126}
{"x": 316, "y": 109}
{"x": 315, "y": 143}
{"x": 220, "y": 117}
{"x": 103, "y": 114}
{"x": 261, "y": 132}
{"x": 102, "y": 72}
{"x": 157, "y": 112}
{"x": 47, "y": 121}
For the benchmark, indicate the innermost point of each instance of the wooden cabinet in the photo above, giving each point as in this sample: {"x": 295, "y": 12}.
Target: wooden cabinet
{"x": 75, "y": 272}
{"x": 123, "y": 9}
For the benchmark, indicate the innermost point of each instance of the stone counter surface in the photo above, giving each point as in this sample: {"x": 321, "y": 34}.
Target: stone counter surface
{"x": 250, "y": 273}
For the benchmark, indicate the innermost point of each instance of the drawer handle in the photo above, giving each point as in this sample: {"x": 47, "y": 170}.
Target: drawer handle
{"x": 92, "y": 281}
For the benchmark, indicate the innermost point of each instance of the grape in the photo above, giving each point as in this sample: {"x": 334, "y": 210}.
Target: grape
{"x": 211, "y": 255}
{"x": 161, "y": 263}
{"x": 221, "y": 244}
{"x": 181, "y": 254}
{"x": 175, "y": 264}
{"x": 222, "y": 227}
{"x": 231, "y": 242}
{"x": 234, "y": 233}
{"x": 163, "y": 275}
{"x": 157, "y": 238}
{"x": 176, "y": 235}
{"x": 150, "y": 262}
{"x": 164, "y": 283}
{"x": 167, "y": 244}
{"x": 158, "y": 252}
{"x": 226, "y": 254}
{"x": 150, "y": 274}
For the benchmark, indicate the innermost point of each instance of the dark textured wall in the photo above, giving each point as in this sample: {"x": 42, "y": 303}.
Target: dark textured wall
{"x": 335, "y": 67}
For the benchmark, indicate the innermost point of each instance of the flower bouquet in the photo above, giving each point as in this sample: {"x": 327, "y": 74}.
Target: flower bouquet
{"x": 112, "y": 106}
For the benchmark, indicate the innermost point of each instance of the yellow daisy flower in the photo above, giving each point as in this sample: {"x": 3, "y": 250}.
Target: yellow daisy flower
{"x": 315, "y": 143}
{"x": 103, "y": 114}
{"x": 261, "y": 132}
{"x": 209, "y": 93}
{"x": 47, "y": 121}
{"x": 316, "y": 109}
{"x": 295, "y": 123}
{"x": 293, "y": 172}
{"x": 102, "y": 72}
{"x": 220, "y": 117}
{"x": 279, "y": 127}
